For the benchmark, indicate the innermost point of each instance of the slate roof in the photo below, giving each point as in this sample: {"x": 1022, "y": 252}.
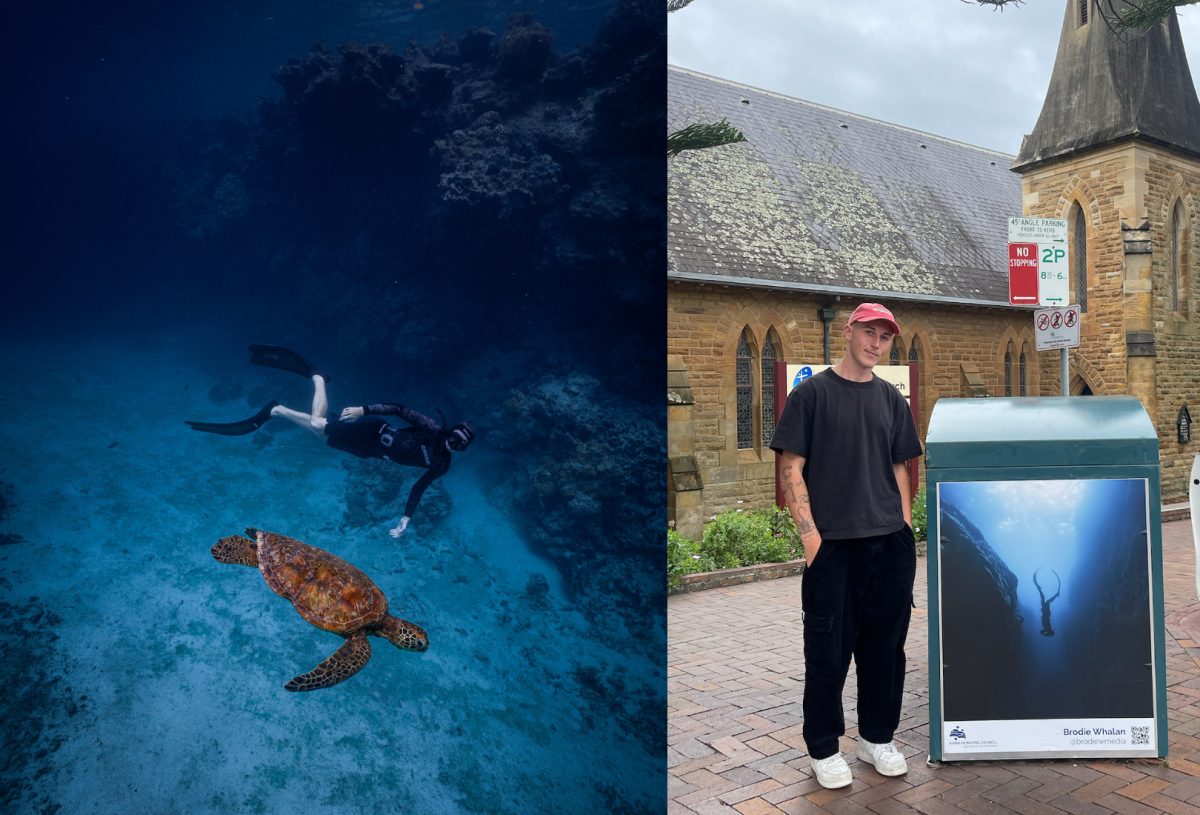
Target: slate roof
{"x": 821, "y": 199}
{"x": 1106, "y": 88}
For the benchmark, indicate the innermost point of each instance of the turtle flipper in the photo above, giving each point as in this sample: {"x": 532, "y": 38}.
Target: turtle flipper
{"x": 342, "y": 664}
{"x": 236, "y": 549}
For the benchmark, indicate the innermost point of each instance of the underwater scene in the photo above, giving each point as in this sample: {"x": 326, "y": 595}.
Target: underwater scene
{"x": 332, "y": 452}
{"x": 1045, "y": 599}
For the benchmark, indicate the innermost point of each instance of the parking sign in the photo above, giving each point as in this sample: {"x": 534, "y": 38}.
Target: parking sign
{"x": 1049, "y": 235}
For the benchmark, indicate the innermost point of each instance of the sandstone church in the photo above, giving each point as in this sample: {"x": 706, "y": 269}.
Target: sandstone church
{"x": 774, "y": 240}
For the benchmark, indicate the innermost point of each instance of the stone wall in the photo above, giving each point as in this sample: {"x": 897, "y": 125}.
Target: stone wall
{"x": 1170, "y": 179}
{"x": 1128, "y": 192}
{"x": 705, "y": 321}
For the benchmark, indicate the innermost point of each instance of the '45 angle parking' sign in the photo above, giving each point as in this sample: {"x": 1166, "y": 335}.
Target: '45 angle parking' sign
{"x": 1037, "y": 262}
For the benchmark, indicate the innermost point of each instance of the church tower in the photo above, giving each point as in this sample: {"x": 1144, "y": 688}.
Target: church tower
{"x": 1116, "y": 152}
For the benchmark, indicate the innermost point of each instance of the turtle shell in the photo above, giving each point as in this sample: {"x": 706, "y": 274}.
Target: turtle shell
{"x": 326, "y": 590}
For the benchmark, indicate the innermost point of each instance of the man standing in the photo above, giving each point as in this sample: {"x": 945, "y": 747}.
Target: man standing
{"x": 843, "y": 439}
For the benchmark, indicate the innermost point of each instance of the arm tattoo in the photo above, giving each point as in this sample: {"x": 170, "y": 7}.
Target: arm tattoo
{"x": 797, "y": 499}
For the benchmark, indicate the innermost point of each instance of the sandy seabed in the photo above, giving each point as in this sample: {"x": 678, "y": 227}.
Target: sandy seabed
{"x": 144, "y": 676}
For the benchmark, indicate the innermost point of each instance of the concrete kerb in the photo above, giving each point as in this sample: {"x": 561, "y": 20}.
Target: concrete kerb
{"x": 747, "y": 574}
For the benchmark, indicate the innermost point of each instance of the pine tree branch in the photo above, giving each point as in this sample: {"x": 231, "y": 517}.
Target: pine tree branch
{"x": 702, "y": 136}
{"x": 1140, "y": 15}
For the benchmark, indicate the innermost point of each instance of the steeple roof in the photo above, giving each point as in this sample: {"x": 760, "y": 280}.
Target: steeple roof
{"x": 1108, "y": 87}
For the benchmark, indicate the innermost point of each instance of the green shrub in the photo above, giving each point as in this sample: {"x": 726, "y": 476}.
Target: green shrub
{"x": 733, "y": 535}
{"x": 684, "y": 557}
{"x": 781, "y": 541}
{"x": 734, "y": 538}
{"x": 920, "y": 521}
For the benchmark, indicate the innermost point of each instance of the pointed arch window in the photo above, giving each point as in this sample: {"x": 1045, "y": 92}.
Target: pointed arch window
{"x": 914, "y": 358}
{"x": 768, "y": 390}
{"x": 894, "y": 356}
{"x": 756, "y": 385}
{"x": 1022, "y": 372}
{"x": 1008, "y": 377}
{"x": 1079, "y": 275}
{"x": 745, "y": 392}
{"x": 1177, "y": 294}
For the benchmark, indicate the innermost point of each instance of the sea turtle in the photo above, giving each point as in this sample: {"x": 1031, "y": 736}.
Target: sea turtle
{"x": 329, "y": 593}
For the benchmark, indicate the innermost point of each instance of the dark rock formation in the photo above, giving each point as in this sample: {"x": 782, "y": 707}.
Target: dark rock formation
{"x": 537, "y": 589}
{"x": 524, "y": 52}
{"x": 980, "y": 622}
{"x": 355, "y": 186}
{"x": 7, "y": 538}
{"x": 579, "y": 478}
{"x": 1109, "y": 630}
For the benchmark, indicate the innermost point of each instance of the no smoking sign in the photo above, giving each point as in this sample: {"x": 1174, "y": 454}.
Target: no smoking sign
{"x": 1056, "y": 328}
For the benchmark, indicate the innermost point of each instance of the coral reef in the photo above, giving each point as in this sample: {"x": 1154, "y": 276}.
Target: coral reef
{"x": 587, "y": 482}
{"x": 537, "y": 589}
{"x": 490, "y": 163}
{"x": 371, "y": 159}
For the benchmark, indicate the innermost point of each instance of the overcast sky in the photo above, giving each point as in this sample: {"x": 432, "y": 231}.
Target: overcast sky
{"x": 954, "y": 69}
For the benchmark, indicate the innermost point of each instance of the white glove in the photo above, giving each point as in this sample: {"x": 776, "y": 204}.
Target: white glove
{"x": 400, "y": 527}
{"x": 351, "y": 413}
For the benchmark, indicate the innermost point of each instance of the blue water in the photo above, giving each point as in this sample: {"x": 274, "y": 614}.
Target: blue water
{"x": 469, "y": 239}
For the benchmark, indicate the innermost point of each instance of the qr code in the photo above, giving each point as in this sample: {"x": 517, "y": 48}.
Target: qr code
{"x": 1141, "y": 735}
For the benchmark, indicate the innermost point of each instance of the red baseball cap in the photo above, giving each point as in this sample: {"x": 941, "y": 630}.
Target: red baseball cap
{"x": 873, "y": 311}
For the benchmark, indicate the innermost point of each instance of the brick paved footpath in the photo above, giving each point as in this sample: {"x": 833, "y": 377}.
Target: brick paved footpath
{"x": 735, "y": 665}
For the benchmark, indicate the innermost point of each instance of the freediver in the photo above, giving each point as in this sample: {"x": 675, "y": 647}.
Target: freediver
{"x": 360, "y": 431}
{"x": 1047, "y": 631}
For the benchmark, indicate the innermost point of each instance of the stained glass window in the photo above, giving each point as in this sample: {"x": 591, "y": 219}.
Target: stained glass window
{"x": 894, "y": 358}
{"x": 1008, "y": 372}
{"x": 768, "y": 391}
{"x": 913, "y": 357}
{"x": 1022, "y": 372}
{"x": 1176, "y": 287}
{"x": 745, "y": 394}
{"x": 1079, "y": 246}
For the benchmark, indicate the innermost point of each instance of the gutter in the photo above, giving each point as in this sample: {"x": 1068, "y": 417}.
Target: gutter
{"x": 816, "y": 288}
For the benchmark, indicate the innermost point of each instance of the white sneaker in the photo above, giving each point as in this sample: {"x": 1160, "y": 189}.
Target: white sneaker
{"x": 832, "y": 773}
{"x": 885, "y": 757}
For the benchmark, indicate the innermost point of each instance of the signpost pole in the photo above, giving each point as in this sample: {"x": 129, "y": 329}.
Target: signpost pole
{"x": 1066, "y": 381}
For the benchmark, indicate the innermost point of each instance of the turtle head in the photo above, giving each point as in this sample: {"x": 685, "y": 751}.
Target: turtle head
{"x": 403, "y": 634}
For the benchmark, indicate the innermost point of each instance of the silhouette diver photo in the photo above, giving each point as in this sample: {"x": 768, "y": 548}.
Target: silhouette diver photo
{"x": 1047, "y": 631}
{"x": 360, "y": 431}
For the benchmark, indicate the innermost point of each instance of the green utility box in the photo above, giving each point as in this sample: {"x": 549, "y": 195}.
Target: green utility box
{"x": 1045, "y": 580}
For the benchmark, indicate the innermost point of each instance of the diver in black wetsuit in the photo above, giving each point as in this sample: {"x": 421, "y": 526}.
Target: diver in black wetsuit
{"x": 360, "y": 431}
{"x": 1047, "y": 631}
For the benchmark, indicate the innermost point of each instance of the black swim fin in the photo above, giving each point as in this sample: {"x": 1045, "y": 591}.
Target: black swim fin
{"x": 237, "y": 428}
{"x": 276, "y": 356}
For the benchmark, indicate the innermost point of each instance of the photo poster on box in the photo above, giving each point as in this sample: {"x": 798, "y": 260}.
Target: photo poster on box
{"x": 1045, "y": 619}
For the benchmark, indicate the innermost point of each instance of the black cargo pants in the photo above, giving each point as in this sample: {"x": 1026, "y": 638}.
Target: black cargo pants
{"x": 857, "y": 601}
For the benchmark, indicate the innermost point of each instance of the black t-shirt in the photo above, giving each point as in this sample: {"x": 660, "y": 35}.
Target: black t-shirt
{"x": 850, "y": 434}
